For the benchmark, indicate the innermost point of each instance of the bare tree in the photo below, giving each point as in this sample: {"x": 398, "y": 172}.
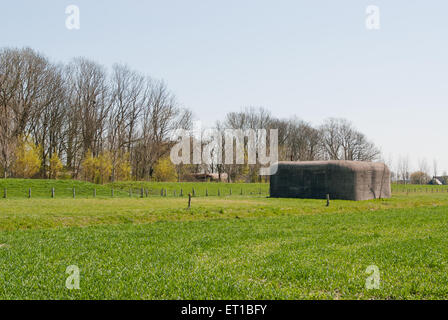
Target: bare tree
{"x": 435, "y": 167}
{"x": 341, "y": 141}
{"x": 403, "y": 168}
{"x": 303, "y": 141}
{"x": 129, "y": 95}
{"x": 47, "y": 127}
{"x": 423, "y": 166}
{"x": 389, "y": 161}
{"x": 331, "y": 142}
{"x": 89, "y": 105}
{"x": 161, "y": 115}
{"x": 248, "y": 118}
{"x": 26, "y": 80}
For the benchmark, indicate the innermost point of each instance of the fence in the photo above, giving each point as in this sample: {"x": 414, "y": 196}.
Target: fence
{"x": 423, "y": 189}
{"x": 104, "y": 192}
{"x": 170, "y": 190}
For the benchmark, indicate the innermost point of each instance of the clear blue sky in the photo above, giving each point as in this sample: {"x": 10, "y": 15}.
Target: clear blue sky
{"x": 313, "y": 59}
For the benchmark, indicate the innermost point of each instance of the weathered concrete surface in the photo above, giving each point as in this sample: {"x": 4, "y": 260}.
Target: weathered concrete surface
{"x": 345, "y": 180}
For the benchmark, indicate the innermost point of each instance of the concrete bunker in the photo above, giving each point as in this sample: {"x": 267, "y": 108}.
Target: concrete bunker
{"x": 345, "y": 180}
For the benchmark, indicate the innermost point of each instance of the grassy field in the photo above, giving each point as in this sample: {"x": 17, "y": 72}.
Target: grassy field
{"x": 20, "y": 189}
{"x": 229, "y": 247}
{"x": 409, "y": 188}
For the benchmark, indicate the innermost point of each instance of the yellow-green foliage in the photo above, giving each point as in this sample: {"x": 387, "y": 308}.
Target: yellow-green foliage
{"x": 123, "y": 168}
{"x": 27, "y": 158}
{"x": 97, "y": 169}
{"x": 55, "y": 166}
{"x": 165, "y": 170}
{"x": 104, "y": 168}
{"x": 88, "y": 166}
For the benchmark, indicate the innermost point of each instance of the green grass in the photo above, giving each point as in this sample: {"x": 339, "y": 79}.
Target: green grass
{"x": 228, "y": 247}
{"x": 402, "y": 188}
{"x": 19, "y": 189}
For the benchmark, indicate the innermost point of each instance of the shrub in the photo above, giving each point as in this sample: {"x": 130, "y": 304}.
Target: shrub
{"x": 123, "y": 168}
{"x": 55, "y": 166}
{"x": 165, "y": 170}
{"x": 419, "y": 177}
{"x": 27, "y": 158}
{"x": 97, "y": 169}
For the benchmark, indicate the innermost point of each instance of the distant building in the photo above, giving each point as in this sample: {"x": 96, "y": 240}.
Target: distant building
{"x": 438, "y": 181}
{"x": 210, "y": 177}
{"x": 346, "y": 180}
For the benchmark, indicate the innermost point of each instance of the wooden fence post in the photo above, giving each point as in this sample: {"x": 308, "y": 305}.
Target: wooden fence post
{"x": 29, "y": 193}
{"x": 74, "y": 193}
{"x": 52, "y": 192}
{"x": 112, "y": 192}
{"x": 189, "y": 200}
{"x": 5, "y": 193}
{"x": 94, "y": 193}
{"x": 328, "y": 200}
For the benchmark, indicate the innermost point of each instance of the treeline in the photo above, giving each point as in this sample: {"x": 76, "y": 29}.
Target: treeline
{"x": 116, "y": 123}
{"x": 298, "y": 140}
{"x": 82, "y": 121}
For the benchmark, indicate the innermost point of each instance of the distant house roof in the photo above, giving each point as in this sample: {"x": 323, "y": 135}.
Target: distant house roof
{"x": 436, "y": 181}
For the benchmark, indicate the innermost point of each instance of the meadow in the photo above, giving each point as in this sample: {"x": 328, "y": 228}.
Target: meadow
{"x": 235, "y": 245}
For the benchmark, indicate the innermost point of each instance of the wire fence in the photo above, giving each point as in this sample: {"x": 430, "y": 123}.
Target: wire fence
{"x": 422, "y": 189}
{"x": 104, "y": 192}
{"x": 169, "y": 191}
